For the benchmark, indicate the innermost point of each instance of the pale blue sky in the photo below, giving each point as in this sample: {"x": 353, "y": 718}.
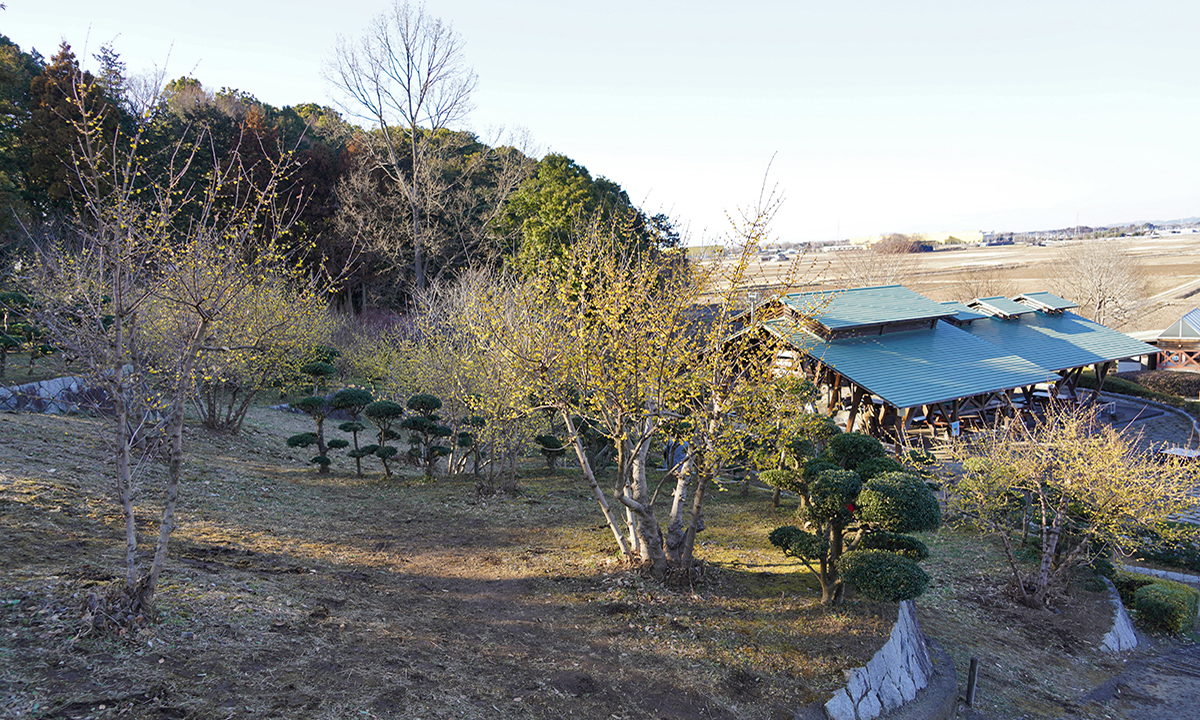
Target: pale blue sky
{"x": 881, "y": 116}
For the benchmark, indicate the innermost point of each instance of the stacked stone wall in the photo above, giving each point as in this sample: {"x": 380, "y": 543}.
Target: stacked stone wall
{"x": 900, "y": 669}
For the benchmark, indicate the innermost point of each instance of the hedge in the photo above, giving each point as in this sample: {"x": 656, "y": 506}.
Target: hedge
{"x": 1167, "y": 605}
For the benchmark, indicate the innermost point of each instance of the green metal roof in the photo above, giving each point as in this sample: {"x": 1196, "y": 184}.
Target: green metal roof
{"x": 918, "y": 367}
{"x": 962, "y": 313}
{"x": 1048, "y": 302}
{"x": 1058, "y": 341}
{"x": 861, "y": 307}
{"x": 999, "y": 306}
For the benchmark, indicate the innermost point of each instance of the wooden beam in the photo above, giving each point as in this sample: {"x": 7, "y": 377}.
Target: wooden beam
{"x": 856, "y": 396}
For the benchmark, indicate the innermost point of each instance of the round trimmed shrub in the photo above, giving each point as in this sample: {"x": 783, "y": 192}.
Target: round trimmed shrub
{"x": 424, "y": 404}
{"x": 1167, "y": 605}
{"x": 833, "y": 496}
{"x": 353, "y": 399}
{"x": 384, "y": 410}
{"x": 798, "y": 543}
{"x": 849, "y": 450}
{"x": 881, "y": 575}
{"x": 789, "y": 480}
{"x": 302, "y": 440}
{"x": 899, "y": 502}
{"x": 338, "y": 444}
{"x": 816, "y": 466}
{"x": 905, "y": 545}
{"x": 871, "y": 467}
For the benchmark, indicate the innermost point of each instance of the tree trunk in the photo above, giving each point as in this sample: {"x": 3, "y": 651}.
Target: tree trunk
{"x": 649, "y": 533}
{"x": 590, "y": 476}
{"x": 676, "y": 531}
{"x": 321, "y": 449}
{"x": 174, "y": 468}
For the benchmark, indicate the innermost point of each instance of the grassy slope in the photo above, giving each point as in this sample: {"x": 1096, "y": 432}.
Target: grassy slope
{"x": 290, "y": 594}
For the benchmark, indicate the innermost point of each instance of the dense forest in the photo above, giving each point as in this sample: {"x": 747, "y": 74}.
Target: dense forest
{"x": 478, "y": 205}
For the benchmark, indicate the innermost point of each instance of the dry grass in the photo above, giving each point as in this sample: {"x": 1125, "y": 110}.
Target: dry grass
{"x": 290, "y": 594}
{"x": 1033, "y": 664}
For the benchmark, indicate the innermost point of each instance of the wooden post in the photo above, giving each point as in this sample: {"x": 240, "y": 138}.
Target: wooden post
{"x": 972, "y": 677}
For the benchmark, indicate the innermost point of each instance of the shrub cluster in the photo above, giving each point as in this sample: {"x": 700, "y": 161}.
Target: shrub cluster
{"x": 856, "y": 505}
{"x": 1167, "y": 605}
{"x": 1169, "y": 382}
{"x": 1162, "y": 604}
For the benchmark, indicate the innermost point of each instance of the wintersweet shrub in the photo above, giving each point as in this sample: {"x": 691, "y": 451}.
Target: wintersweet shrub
{"x": 882, "y": 575}
{"x": 905, "y": 545}
{"x": 1167, "y": 605}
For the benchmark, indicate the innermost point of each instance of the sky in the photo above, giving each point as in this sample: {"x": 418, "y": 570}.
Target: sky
{"x": 865, "y": 117}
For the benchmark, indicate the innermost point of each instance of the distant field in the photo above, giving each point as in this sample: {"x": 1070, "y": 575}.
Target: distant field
{"x": 1170, "y": 262}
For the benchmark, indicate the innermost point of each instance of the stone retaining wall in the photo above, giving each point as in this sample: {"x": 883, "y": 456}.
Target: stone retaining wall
{"x": 59, "y": 395}
{"x": 1122, "y": 636}
{"x": 893, "y": 676}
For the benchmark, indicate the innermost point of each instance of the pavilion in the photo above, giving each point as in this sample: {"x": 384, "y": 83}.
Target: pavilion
{"x": 893, "y": 358}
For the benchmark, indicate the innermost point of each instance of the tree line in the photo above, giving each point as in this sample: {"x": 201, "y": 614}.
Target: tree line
{"x": 380, "y": 211}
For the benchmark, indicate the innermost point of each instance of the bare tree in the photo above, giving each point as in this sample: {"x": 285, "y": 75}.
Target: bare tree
{"x": 406, "y": 74}
{"x": 888, "y": 261}
{"x": 982, "y": 282}
{"x": 1108, "y": 283}
{"x": 154, "y": 268}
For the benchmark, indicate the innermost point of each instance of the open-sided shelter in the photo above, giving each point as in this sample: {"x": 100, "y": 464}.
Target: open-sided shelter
{"x": 893, "y": 356}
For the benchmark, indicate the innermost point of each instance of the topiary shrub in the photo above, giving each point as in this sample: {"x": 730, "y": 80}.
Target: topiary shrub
{"x": 319, "y": 372}
{"x": 316, "y": 408}
{"x": 302, "y": 440}
{"x": 352, "y": 400}
{"x": 551, "y": 448}
{"x": 871, "y": 467}
{"x": 798, "y": 543}
{"x": 788, "y": 480}
{"x": 849, "y": 450}
{"x": 905, "y": 545}
{"x": 1167, "y": 605}
{"x": 832, "y": 495}
{"x": 383, "y": 414}
{"x": 881, "y": 575}
{"x": 899, "y": 502}
{"x": 425, "y": 431}
{"x": 816, "y": 466}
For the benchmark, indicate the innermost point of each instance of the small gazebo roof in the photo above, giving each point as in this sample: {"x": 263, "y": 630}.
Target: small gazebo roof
{"x": 1187, "y": 327}
{"x": 1059, "y": 341}
{"x": 918, "y": 367}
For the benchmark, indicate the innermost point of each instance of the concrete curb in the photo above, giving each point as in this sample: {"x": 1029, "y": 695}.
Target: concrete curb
{"x": 1165, "y": 574}
{"x": 1122, "y": 636}
{"x": 1163, "y": 406}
